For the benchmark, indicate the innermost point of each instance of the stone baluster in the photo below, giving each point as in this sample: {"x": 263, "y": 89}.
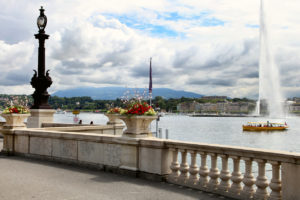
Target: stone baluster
{"x": 193, "y": 170}
{"x": 236, "y": 177}
{"x": 249, "y": 180}
{"x": 225, "y": 175}
{"x": 184, "y": 167}
{"x": 275, "y": 184}
{"x": 203, "y": 172}
{"x": 261, "y": 181}
{"x": 214, "y": 172}
{"x": 173, "y": 177}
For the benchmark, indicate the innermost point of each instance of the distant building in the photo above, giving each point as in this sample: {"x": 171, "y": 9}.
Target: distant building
{"x": 296, "y": 99}
{"x": 223, "y": 107}
{"x": 188, "y": 107}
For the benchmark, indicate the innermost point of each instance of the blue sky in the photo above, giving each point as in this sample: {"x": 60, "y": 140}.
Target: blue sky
{"x": 210, "y": 47}
{"x": 202, "y": 19}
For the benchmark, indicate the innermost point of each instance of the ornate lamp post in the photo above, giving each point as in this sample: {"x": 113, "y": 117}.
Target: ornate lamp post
{"x": 41, "y": 80}
{"x": 40, "y": 111}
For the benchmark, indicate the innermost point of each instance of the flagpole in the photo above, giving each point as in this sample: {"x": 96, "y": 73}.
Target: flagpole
{"x": 150, "y": 82}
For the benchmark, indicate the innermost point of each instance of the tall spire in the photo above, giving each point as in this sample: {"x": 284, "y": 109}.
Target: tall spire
{"x": 150, "y": 82}
{"x": 150, "y": 77}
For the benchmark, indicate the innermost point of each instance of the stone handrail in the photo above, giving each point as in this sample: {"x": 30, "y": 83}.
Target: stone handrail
{"x": 233, "y": 183}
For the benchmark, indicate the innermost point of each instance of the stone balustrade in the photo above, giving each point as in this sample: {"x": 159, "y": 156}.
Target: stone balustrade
{"x": 237, "y": 183}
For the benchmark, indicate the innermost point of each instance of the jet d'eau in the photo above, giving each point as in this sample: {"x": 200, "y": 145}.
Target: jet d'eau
{"x": 269, "y": 79}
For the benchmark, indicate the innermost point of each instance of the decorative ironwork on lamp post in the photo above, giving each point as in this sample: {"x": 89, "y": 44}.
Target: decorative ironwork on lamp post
{"x": 41, "y": 80}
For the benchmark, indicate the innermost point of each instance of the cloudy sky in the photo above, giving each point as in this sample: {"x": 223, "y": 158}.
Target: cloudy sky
{"x": 210, "y": 46}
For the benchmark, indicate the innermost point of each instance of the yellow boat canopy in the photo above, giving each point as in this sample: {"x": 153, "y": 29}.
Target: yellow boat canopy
{"x": 266, "y": 123}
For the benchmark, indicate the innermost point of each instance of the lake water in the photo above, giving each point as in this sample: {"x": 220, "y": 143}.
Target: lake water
{"x": 213, "y": 130}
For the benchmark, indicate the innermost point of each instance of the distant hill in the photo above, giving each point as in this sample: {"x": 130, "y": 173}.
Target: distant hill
{"x": 112, "y": 93}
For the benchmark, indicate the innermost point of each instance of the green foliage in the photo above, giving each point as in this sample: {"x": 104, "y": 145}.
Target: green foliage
{"x": 88, "y": 104}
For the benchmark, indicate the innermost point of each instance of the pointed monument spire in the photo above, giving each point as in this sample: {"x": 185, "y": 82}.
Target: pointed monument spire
{"x": 150, "y": 82}
{"x": 150, "y": 77}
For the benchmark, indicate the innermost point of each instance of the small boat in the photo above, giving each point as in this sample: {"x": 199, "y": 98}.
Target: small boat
{"x": 59, "y": 111}
{"x": 76, "y": 112}
{"x": 264, "y": 126}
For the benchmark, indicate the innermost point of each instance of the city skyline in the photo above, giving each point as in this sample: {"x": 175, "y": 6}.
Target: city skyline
{"x": 208, "y": 47}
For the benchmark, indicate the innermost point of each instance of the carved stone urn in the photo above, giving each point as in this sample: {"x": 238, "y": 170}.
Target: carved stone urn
{"x": 113, "y": 119}
{"x": 137, "y": 125}
{"x": 14, "y": 120}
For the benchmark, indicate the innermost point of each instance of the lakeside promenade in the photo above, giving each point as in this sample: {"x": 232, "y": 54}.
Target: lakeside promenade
{"x": 23, "y": 178}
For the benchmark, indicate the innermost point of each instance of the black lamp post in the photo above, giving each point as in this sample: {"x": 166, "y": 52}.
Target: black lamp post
{"x": 41, "y": 81}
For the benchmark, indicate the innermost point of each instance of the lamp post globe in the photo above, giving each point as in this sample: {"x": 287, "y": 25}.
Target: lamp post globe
{"x": 42, "y": 20}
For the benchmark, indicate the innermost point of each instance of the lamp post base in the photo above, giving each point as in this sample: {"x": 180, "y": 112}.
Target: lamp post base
{"x": 40, "y": 116}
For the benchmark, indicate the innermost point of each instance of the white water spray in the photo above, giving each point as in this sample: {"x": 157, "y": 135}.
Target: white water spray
{"x": 269, "y": 81}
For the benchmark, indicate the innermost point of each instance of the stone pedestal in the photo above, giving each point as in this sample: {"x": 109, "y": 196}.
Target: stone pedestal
{"x": 114, "y": 120}
{"x": 290, "y": 174}
{"x": 39, "y": 116}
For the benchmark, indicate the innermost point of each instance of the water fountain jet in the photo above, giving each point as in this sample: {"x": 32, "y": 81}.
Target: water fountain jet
{"x": 269, "y": 80}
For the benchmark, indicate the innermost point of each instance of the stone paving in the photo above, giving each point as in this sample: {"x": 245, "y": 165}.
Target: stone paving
{"x": 24, "y": 178}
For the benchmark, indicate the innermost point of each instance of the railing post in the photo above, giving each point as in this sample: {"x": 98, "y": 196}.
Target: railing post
{"x": 261, "y": 181}
{"x": 203, "y": 172}
{"x": 214, "y": 172}
{"x": 174, "y": 166}
{"x": 225, "y": 175}
{"x": 184, "y": 167}
{"x": 249, "y": 180}
{"x": 167, "y": 133}
{"x": 275, "y": 184}
{"x": 160, "y": 133}
{"x": 193, "y": 170}
{"x": 236, "y": 177}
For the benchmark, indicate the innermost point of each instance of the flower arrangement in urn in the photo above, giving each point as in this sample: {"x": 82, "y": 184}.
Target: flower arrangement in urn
{"x": 133, "y": 106}
{"x": 17, "y": 106}
{"x": 116, "y": 110}
{"x": 16, "y": 110}
{"x": 137, "y": 114}
{"x": 15, "y": 113}
{"x": 140, "y": 108}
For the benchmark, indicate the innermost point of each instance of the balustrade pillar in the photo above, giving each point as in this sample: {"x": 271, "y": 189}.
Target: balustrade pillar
{"x": 225, "y": 175}
{"x": 236, "y": 177}
{"x": 249, "y": 180}
{"x": 261, "y": 181}
{"x": 203, "y": 172}
{"x": 193, "y": 170}
{"x": 174, "y": 166}
{"x": 214, "y": 172}
{"x": 184, "y": 167}
{"x": 275, "y": 184}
